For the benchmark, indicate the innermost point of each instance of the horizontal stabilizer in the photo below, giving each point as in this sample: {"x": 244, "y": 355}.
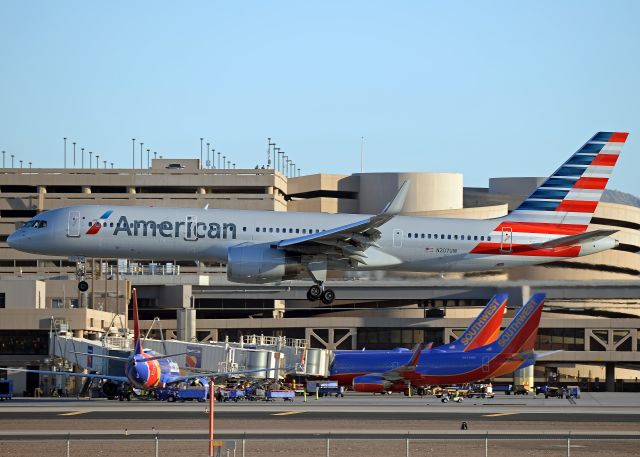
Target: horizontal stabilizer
{"x": 573, "y": 240}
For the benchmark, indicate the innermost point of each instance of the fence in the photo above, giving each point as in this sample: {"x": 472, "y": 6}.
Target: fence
{"x": 475, "y": 444}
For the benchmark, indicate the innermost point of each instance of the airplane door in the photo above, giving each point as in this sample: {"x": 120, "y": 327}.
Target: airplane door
{"x": 73, "y": 224}
{"x": 505, "y": 241}
{"x": 485, "y": 364}
{"x": 190, "y": 227}
{"x": 397, "y": 238}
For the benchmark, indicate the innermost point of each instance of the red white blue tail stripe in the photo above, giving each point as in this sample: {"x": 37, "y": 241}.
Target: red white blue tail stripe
{"x": 569, "y": 197}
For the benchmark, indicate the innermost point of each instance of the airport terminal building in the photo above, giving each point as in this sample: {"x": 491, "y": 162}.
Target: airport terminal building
{"x": 593, "y": 302}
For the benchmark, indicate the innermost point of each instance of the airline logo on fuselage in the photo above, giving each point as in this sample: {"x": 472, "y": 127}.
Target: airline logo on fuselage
{"x": 175, "y": 229}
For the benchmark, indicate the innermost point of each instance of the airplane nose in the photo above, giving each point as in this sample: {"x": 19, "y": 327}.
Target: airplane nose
{"x": 16, "y": 240}
{"x": 11, "y": 240}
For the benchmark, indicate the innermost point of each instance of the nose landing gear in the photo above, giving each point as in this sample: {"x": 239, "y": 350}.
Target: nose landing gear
{"x": 83, "y": 285}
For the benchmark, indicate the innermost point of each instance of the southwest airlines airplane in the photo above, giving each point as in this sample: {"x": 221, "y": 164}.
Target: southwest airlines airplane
{"x": 369, "y": 371}
{"x": 265, "y": 246}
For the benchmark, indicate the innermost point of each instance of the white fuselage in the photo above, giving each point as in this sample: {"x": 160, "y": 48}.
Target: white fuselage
{"x": 406, "y": 243}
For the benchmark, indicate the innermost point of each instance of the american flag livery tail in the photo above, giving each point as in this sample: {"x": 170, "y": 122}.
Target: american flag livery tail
{"x": 566, "y": 201}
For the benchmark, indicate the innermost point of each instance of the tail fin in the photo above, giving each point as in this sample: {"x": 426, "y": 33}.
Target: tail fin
{"x": 484, "y": 329}
{"x": 566, "y": 201}
{"x": 136, "y": 324}
{"x": 523, "y": 328}
{"x": 415, "y": 357}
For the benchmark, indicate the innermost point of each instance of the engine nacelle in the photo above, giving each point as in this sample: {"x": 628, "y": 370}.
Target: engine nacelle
{"x": 260, "y": 263}
{"x": 373, "y": 383}
{"x": 111, "y": 389}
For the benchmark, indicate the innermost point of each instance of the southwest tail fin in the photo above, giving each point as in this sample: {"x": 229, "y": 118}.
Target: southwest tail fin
{"x": 522, "y": 331}
{"x": 136, "y": 324}
{"x": 566, "y": 201}
{"x": 484, "y": 329}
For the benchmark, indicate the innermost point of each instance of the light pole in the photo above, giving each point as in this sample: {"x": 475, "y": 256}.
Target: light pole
{"x": 234, "y": 166}
{"x": 74, "y": 154}
{"x": 97, "y": 161}
{"x": 213, "y": 158}
{"x": 284, "y": 163}
{"x": 90, "y": 159}
{"x": 65, "y": 152}
{"x": 218, "y": 159}
{"x": 208, "y": 151}
{"x": 155, "y": 154}
{"x": 224, "y": 158}
{"x": 12, "y": 156}
{"x": 29, "y": 165}
{"x": 229, "y": 164}
{"x": 133, "y": 152}
{"x": 201, "y": 152}
{"x": 21, "y": 164}
{"x": 141, "y": 144}
{"x": 3, "y": 153}
{"x": 148, "y": 163}
{"x": 105, "y": 163}
{"x": 276, "y": 155}
{"x": 82, "y": 156}
{"x": 111, "y": 164}
{"x": 298, "y": 172}
{"x": 280, "y": 159}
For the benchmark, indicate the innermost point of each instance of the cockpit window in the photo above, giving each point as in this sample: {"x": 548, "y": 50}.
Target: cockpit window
{"x": 35, "y": 224}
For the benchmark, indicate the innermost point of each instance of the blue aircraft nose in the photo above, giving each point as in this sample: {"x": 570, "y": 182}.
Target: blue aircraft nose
{"x": 16, "y": 240}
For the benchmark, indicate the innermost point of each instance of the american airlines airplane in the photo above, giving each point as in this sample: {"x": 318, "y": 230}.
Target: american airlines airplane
{"x": 265, "y": 246}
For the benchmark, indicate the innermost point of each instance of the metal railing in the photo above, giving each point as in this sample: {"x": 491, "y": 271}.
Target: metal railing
{"x": 156, "y": 443}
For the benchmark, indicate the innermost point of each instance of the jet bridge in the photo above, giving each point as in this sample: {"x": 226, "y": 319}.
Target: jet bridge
{"x": 252, "y": 353}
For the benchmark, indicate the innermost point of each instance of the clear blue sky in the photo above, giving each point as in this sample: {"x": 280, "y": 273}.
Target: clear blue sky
{"x": 483, "y": 88}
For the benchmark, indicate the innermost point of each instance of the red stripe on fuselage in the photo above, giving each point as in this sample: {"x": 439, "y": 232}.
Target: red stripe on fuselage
{"x": 577, "y": 206}
{"x": 526, "y": 250}
{"x": 542, "y": 227}
{"x": 591, "y": 183}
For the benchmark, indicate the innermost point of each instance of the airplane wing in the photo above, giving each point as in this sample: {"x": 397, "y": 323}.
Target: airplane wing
{"x": 216, "y": 374}
{"x": 573, "y": 240}
{"x": 405, "y": 371}
{"x": 67, "y": 373}
{"x": 348, "y": 241}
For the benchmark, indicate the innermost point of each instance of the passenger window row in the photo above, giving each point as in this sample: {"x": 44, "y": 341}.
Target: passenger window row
{"x": 442, "y": 236}
{"x": 304, "y": 231}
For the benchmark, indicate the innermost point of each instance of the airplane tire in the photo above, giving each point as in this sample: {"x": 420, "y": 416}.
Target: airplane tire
{"x": 83, "y": 286}
{"x": 314, "y": 292}
{"x": 328, "y": 296}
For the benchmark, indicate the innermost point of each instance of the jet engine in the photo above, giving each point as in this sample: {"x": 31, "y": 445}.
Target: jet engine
{"x": 373, "y": 383}
{"x": 111, "y": 389}
{"x": 260, "y": 263}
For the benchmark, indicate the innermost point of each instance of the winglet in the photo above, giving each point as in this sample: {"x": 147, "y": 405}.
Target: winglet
{"x": 136, "y": 324}
{"x": 395, "y": 206}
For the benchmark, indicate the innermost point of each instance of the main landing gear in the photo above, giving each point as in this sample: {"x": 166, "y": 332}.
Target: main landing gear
{"x": 83, "y": 285}
{"x": 318, "y": 292}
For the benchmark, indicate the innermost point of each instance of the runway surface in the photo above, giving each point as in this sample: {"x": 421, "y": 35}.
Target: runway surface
{"x": 354, "y": 414}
